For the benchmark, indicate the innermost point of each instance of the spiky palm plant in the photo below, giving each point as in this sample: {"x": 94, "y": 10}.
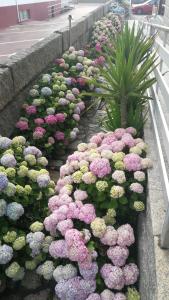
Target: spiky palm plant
{"x": 126, "y": 78}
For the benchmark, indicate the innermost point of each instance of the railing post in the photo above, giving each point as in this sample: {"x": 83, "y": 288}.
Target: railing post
{"x": 164, "y": 44}
{"x": 164, "y": 240}
{"x": 70, "y": 29}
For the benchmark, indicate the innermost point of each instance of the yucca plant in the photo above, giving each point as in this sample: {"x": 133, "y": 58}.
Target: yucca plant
{"x": 126, "y": 78}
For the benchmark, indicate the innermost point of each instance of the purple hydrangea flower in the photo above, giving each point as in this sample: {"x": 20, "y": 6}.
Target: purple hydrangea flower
{"x": 43, "y": 180}
{"x": 3, "y": 181}
{"x": 8, "y": 160}
{"x": 6, "y": 253}
{"x": 5, "y": 142}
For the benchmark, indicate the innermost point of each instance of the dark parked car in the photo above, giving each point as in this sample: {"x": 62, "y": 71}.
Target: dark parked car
{"x": 145, "y": 8}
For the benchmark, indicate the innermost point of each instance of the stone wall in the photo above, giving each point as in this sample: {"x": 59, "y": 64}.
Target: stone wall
{"x": 20, "y": 71}
{"x": 166, "y": 14}
{"x": 153, "y": 261}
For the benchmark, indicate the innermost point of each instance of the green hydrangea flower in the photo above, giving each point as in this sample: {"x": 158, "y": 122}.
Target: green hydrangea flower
{"x": 118, "y": 156}
{"x": 19, "y": 243}
{"x": 30, "y": 265}
{"x": 133, "y": 294}
{"x": 10, "y": 189}
{"x": 77, "y": 176}
{"x": 12, "y": 270}
{"x": 31, "y": 159}
{"x": 36, "y": 226}
{"x": 18, "y": 140}
{"x": 27, "y": 189}
{"x": 101, "y": 185}
{"x": 10, "y": 237}
{"x": 119, "y": 165}
{"x": 10, "y": 172}
{"x": 23, "y": 171}
{"x": 139, "y": 206}
{"x": 20, "y": 189}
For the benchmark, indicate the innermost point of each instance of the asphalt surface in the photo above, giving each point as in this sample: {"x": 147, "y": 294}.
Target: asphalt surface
{"x": 22, "y": 36}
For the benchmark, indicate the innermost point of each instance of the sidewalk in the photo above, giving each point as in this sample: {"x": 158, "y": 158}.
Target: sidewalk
{"x": 20, "y": 37}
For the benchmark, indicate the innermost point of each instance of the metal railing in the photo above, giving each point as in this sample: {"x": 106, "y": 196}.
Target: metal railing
{"x": 158, "y": 91}
{"x": 57, "y": 7}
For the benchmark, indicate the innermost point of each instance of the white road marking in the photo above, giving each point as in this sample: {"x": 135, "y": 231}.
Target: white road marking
{"x": 23, "y": 41}
{"x": 13, "y": 32}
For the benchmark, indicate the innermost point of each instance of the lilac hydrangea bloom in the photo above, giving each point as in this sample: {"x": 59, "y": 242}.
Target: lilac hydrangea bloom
{"x": 89, "y": 273}
{"x": 8, "y": 160}
{"x": 3, "y": 181}
{"x": 5, "y": 142}
{"x": 6, "y": 254}
{"x": 14, "y": 211}
{"x": 32, "y": 150}
{"x": 46, "y": 91}
{"x": 43, "y": 180}
{"x": 75, "y": 288}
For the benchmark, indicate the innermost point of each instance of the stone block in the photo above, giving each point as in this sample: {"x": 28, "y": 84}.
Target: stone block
{"x": 6, "y": 87}
{"x": 162, "y": 270}
{"x": 42, "y": 295}
{"x": 90, "y": 21}
{"x": 65, "y": 38}
{"x": 27, "y": 65}
{"x": 31, "y": 281}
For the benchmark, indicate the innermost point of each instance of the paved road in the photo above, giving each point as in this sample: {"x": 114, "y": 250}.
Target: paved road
{"x": 19, "y": 37}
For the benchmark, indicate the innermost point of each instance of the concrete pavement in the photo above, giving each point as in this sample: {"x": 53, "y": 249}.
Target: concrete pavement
{"x": 23, "y": 36}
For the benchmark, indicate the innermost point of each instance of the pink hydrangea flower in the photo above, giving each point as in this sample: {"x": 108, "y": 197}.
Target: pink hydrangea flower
{"x": 98, "y": 47}
{"x": 100, "y": 167}
{"x": 39, "y": 132}
{"x": 76, "y": 117}
{"x": 31, "y": 110}
{"x": 39, "y": 121}
{"x": 52, "y": 203}
{"x": 118, "y": 255}
{"x": 117, "y": 146}
{"x": 110, "y": 236}
{"x": 96, "y": 139}
{"x": 132, "y": 162}
{"x": 51, "y": 119}
{"x": 131, "y": 130}
{"x": 60, "y": 117}
{"x": 22, "y": 125}
{"x": 64, "y": 225}
{"x": 113, "y": 276}
{"x": 80, "y": 195}
{"x": 136, "y": 188}
{"x": 125, "y": 236}
{"x": 87, "y": 213}
{"x": 131, "y": 273}
{"x": 109, "y": 139}
{"x": 119, "y": 132}
{"x": 58, "y": 249}
{"x": 107, "y": 295}
{"x": 59, "y": 135}
{"x": 128, "y": 140}
{"x": 72, "y": 236}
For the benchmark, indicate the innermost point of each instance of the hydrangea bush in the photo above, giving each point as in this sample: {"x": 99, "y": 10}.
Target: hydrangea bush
{"x": 89, "y": 252}
{"x": 25, "y": 186}
{"x": 104, "y": 31}
{"x": 51, "y": 114}
{"x": 76, "y": 65}
{"x": 110, "y": 171}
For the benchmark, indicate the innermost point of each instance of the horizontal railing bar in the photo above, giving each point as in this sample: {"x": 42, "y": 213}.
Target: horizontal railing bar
{"x": 161, "y": 119}
{"x": 162, "y": 85}
{"x": 165, "y": 182}
{"x": 163, "y": 52}
{"x": 161, "y": 27}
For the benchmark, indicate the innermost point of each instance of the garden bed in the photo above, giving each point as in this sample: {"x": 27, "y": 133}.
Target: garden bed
{"x": 80, "y": 233}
